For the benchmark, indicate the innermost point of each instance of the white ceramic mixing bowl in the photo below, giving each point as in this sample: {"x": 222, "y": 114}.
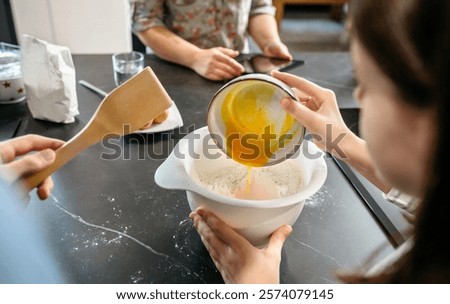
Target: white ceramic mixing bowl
{"x": 253, "y": 219}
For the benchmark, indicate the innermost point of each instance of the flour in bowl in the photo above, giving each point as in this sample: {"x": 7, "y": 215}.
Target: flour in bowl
{"x": 264, "y": 183}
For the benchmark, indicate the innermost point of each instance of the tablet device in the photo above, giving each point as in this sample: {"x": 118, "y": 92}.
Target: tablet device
{"x": 258, "y": 63}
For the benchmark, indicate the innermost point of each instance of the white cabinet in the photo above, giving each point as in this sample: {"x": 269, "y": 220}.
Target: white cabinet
{"x": 85, "y": 26}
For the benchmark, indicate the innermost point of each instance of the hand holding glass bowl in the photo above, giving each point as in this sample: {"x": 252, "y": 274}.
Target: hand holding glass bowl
{"x": 249, "y": 125}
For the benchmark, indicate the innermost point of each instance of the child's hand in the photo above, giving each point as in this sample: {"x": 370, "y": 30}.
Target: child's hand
{"x": 277, "y": 49}
{"x": 17, "y": 169}
{"x": 217, "y": 63}
{"x": 237, "y": 260}
{"x": 317, "y": 110}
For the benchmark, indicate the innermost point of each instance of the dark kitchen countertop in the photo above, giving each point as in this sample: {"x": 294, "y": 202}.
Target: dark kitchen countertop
{"x": 108, "y": 222}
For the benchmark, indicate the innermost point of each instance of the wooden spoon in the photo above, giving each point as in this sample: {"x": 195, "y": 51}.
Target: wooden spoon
{"x": 124, "y": 110}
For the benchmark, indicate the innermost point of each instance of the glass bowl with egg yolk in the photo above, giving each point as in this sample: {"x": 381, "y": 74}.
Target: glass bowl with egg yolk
{"x": 247, "y": 122}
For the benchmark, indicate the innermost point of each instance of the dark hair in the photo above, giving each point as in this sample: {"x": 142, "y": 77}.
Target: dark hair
{"x": 410, "y": 41}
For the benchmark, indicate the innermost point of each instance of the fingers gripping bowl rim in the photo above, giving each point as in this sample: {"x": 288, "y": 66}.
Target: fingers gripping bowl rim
{"x": 248, "y": 108}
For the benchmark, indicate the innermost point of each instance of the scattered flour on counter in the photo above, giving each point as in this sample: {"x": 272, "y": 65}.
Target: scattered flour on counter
{"x": 277, "y": 181}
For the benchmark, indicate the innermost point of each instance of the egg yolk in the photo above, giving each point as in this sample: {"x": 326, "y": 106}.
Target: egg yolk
{"x": 253, "y": 130}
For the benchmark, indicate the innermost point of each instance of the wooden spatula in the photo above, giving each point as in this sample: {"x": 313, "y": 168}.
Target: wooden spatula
{"x": 124, "y": 110}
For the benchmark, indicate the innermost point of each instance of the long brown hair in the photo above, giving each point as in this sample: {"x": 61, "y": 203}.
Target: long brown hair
{"x": 410, "y": 41}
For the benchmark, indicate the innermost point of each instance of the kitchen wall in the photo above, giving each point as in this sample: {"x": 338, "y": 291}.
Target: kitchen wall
{"x": 85, "y": 26}
{"x": 7, "y": 33}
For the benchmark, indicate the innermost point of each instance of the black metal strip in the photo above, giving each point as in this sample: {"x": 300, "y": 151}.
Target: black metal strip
{"x": 16, "y": 131}
{"x": 8, "y": 129}
{"x": 395, "y": 237}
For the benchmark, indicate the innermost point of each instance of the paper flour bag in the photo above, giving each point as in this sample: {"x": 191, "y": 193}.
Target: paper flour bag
{"x": 49, "y": 77}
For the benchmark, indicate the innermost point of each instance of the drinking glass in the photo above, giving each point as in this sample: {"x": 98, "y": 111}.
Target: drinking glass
{"x": 126, "y": 65}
